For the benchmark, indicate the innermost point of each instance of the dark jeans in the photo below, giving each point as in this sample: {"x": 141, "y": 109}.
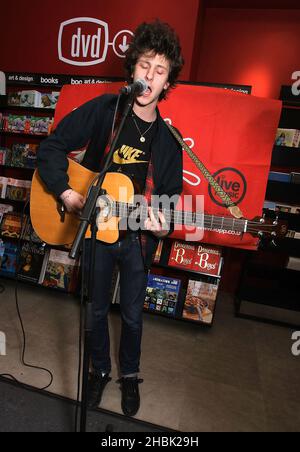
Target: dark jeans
{"x": 127, "y": 253}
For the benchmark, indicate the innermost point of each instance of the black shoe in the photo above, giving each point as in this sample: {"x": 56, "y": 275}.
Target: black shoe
{"x": 130, "y": 395}
{"x": 96, "y": 387}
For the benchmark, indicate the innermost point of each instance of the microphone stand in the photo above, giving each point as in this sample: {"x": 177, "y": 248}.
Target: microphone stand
{"x": 89, "y": 218}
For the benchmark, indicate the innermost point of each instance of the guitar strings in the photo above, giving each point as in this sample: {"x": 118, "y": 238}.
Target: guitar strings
{"x": 126, "y": 210}
{"x": 192, "y": 219}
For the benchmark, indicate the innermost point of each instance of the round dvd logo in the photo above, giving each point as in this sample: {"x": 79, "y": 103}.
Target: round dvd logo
{"x": 233, "y": 183}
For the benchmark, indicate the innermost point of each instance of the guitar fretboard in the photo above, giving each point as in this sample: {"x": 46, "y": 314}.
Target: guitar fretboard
{"x": 192, "y": 219}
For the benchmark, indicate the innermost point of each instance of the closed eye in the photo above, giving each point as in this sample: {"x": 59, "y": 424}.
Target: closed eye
{"x": 144, "y": 65}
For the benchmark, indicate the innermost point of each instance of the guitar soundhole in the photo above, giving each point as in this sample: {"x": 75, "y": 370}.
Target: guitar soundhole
{"x": 104, "y": 204}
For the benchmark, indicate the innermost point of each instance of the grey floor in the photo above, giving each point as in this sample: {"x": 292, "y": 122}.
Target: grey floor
{"x": 238, "y": 376}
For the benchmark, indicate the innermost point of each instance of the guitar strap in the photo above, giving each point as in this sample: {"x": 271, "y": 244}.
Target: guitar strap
{"x": 231, "y": 206}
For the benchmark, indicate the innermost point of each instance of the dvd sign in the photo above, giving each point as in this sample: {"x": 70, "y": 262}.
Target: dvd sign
{"x": 83, "y": 41}
{"x": 233, "y": 183}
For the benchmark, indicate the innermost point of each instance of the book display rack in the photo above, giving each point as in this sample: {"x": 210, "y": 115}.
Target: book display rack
{"x": 269, "y": 284}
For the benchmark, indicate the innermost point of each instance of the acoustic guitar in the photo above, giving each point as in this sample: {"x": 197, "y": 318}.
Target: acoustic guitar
{"x": 56, "y": 227}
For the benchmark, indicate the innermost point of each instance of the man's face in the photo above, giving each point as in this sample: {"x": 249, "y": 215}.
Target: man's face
{"x": 154, "y": 69}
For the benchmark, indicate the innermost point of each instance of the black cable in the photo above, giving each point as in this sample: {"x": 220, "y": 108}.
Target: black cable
{"x": 31, "y": 366}
{"x": 18, "y": 257}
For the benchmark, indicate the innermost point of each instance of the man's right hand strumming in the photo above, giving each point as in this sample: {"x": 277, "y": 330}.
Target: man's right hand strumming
{"x": 73, "y": 201}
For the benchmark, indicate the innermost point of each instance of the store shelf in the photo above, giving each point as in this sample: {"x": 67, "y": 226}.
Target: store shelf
{"x": 9, "y": 167}
{"x": 268, "y": 290}
{"x": 286, "y": 157}
{"x": 23, "y": 135}
{"x": 29, "y": 109}
{"x": 200, "y": 274}
{"x": 283, "y": 192}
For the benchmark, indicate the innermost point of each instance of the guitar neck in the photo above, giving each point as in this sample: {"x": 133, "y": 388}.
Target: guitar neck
{"x": 192, "y": 219}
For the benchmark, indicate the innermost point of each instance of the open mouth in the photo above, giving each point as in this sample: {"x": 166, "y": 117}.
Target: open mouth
{"x": 148, "y": 91}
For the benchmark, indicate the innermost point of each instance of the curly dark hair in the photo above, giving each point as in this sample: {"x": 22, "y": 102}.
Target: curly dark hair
{"x": 161, "y": 39}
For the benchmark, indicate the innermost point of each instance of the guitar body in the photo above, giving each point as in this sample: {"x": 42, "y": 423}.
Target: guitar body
{"x": 45, "y": 209}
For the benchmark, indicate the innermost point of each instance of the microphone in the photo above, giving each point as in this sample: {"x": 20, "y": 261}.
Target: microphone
{"x": 138, "y": 88}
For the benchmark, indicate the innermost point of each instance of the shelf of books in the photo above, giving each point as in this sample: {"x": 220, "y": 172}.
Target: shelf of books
{"x": 269, "y": 284}
{"x": 183, "y": 282}
{"x": 23, "y": 255}
{"x": 26, "y": 118}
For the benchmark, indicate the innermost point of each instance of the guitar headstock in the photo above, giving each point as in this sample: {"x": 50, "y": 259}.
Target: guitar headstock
{"x": 267, "y": 228}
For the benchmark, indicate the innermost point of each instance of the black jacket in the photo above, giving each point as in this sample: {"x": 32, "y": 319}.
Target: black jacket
{"x": 91, "y": 124}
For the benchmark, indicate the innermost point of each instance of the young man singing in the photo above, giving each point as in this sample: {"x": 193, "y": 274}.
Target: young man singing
{"x": 146, "y": 151}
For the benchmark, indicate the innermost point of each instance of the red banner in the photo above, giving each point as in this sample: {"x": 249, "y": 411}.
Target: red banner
{"x": 232, "y": 133}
